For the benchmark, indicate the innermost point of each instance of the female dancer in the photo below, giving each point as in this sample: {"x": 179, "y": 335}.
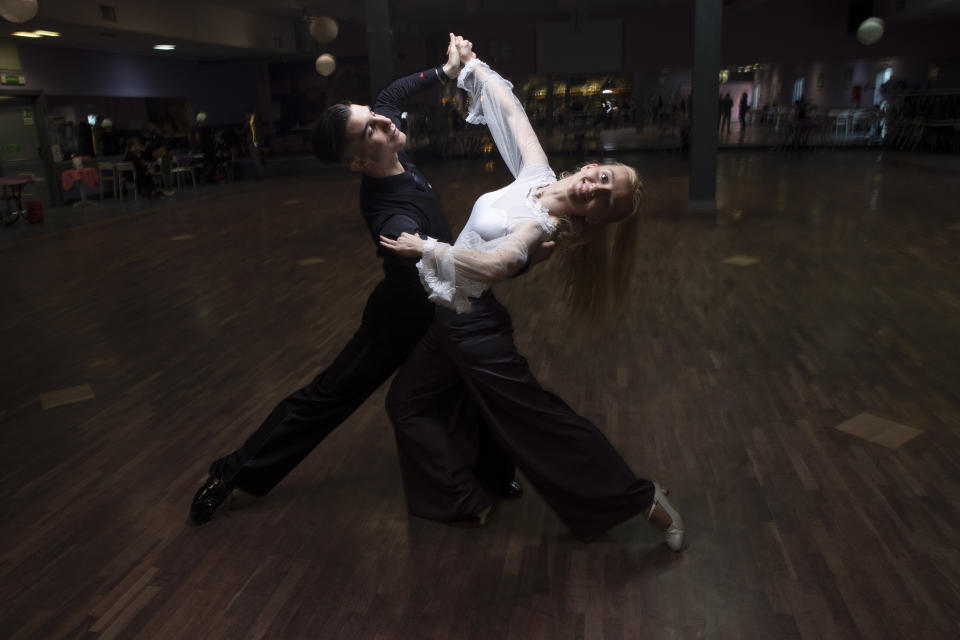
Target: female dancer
{"x": 568, "y": 460}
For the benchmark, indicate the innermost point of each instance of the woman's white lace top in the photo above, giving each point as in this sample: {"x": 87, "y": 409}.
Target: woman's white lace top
{"x": 505, "y": 225}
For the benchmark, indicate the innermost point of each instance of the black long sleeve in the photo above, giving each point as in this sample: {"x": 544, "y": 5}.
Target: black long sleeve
{"x": 390, "y": 101}
{"x": 405, "y": 202}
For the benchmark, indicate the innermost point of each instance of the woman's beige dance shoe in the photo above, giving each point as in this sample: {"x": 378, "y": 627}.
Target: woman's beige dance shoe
{"x": 667, "y": 520}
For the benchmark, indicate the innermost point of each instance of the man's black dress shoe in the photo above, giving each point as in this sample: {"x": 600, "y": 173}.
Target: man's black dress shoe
{"x": 210, "y": 496}
{"x": 510, "y": 491}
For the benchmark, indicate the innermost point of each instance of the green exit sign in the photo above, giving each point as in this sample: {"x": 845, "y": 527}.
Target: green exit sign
{"x": 13, "y": 148}
{"x": 13, "y": 78}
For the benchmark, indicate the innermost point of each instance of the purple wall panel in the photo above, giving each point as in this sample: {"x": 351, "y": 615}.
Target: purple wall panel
{"x": 223, "y": 90}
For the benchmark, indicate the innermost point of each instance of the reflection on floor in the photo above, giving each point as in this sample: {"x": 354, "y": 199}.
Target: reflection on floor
{"x": 725, "y": 383}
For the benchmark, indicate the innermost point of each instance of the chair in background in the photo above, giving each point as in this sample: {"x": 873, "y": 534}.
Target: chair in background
{"x": 179, "y": 171}
{"x": 108, "y": 171}
{"x": 122, "y": 169}
{"x": 841, "y": 124}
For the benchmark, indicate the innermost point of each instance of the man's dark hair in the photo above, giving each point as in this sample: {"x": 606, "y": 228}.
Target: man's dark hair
{"x": 328, "y": 138}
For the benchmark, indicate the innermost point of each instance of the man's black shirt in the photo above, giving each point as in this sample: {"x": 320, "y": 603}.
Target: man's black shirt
{"x": 405, "y": 202}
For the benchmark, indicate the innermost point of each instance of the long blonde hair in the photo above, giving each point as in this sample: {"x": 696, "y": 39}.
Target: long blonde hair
{"x": 595, "y": 261}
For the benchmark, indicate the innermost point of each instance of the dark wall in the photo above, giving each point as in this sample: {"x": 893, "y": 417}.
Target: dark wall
{"x": 223, "y": 90}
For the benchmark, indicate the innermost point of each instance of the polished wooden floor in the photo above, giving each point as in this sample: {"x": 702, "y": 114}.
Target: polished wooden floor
{"x": 189, "y": 321}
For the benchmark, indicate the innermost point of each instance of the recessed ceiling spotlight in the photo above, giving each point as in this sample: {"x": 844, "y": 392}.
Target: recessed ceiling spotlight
{"x": 164, "y": 47}
{"x": 26, "y": 34}
{"x": 49, "y": 34}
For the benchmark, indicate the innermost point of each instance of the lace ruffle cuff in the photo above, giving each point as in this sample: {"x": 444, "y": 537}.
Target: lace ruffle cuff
{"x": 475, "y": 112}
{"x": 467, "y": 70}
{"x": 439, "y": 290}
{"x": 475, "y": 88}
{"x": 471, "y": 66}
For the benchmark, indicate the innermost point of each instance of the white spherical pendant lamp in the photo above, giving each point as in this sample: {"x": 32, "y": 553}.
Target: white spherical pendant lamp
{"x": 18, "y": 10}
{"x": 870, "y": 30}
{"x": 324, "y": 29}
{"x": 325, "y": 64}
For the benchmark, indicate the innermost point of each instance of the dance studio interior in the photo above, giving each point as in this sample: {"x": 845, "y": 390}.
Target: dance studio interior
{"x": 180, "y": 254}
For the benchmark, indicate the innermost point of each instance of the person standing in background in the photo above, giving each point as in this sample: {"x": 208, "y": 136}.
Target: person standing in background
{"x": 744, "y": 108}
{"x": 253, "y": 135}
{"x": 208, "y": 146}
{"x": 726, "y": 108}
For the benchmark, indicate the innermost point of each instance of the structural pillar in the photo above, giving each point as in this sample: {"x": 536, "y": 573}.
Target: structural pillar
{"x": 380, "y": 49}
{"x": 707, "y": 23}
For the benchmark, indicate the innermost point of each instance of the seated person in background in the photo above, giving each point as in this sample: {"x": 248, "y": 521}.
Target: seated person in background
{"x": 133, "y": 153}
{"x": 156, "y": 151}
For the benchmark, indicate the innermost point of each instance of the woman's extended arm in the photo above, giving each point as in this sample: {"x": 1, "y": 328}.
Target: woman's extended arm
{"x": 489, "y": 262}
{"x": 493, "y": 103}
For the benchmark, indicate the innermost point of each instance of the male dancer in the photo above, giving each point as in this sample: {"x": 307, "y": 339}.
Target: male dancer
{"x": 394, "y": 198}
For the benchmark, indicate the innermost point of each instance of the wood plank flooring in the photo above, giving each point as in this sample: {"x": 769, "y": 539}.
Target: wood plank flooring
{"x": 188, "y": 323}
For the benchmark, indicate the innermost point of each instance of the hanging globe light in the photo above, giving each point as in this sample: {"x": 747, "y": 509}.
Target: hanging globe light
{"x": 325, "y": 64}
{"x": 870, "y": 30}
{"x": 18, "y": 10}
{"x": 324, "y": 29}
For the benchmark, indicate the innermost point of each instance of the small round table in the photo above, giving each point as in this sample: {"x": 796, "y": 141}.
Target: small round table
{"x": 13, "y": 196}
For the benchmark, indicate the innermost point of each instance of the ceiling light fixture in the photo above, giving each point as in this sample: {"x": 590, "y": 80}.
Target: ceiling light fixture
{"x": 26, "y": 34}
{"x": 324, "y": 29}
{"x": 325, "y": 64}
{"x": 164, "y": 47}
{"x": 18, "y": 10}
{"x": 870, "y": 31}
{"x": 49, "y": 34}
